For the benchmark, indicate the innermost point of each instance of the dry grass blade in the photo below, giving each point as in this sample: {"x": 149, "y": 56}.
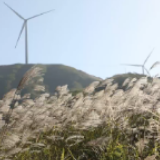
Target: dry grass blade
{"x": 155, "y": 64}
{"x": 35, "y": 71}
{"x": 39, "y": 88}
{"x": 74, "y": 140}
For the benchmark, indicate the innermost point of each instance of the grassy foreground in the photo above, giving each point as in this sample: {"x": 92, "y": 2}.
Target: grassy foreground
{"x": 131, "y": 135}
{"x": 106, "y": 142}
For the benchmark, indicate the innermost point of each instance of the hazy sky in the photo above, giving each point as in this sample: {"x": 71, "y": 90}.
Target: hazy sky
{"x": 95, "y": 36}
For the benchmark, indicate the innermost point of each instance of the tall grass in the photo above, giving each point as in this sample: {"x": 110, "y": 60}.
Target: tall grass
{"x": 35, "y": 71}
{"x": 130, "y": 133}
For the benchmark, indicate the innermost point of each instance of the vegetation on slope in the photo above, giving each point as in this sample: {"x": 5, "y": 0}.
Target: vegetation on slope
{"x": 132, "y": 133}
{"x": 120, "y": 78}
{"x": 55, "y": 75}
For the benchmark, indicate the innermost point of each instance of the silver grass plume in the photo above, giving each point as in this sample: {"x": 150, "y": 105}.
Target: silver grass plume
{"x": 35, "y": 71}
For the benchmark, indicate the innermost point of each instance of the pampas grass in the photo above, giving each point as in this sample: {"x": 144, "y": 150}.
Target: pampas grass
{"x": 123, "y": 125}
{"x": 34, "y": 72}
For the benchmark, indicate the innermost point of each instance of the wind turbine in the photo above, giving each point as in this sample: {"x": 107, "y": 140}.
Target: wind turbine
{"x": 25, "y": 26}
{"x": 143, "y": 65}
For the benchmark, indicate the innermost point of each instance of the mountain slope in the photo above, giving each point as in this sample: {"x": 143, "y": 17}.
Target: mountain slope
{"x": 55, "y": 75}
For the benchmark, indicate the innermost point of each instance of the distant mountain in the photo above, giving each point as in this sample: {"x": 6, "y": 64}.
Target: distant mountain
{"x": 55, "y": 75}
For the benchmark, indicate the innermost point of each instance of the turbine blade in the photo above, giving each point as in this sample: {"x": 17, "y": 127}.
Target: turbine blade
{"x": 135, "y": 65}
{"x": 14, "y": 11}
{"x": 148, "y": 56}
{"x": 20, "y": 33}
{"x": 155, "y": 65}
{"x": 40, "y": 14}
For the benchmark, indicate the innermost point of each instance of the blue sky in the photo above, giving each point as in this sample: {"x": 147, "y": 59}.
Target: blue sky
{"x": 95, "y": 36}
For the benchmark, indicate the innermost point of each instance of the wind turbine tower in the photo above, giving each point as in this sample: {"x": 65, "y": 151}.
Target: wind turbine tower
{"x": 24, "y": 26}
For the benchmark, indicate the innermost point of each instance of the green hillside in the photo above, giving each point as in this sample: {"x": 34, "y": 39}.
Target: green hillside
{"x": 120, "y": 78}
{"x": 55, "y": 75}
